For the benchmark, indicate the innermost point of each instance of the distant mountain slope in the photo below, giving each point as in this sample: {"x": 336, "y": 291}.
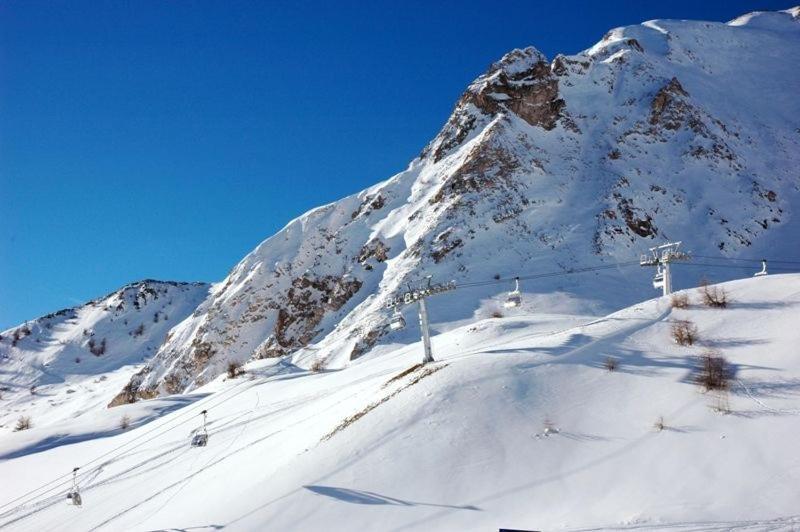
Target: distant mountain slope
{"x": 47, "y": 360}
{"x": 664, "y": 130}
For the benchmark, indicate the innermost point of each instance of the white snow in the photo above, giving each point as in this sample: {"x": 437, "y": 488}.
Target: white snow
{"x": 464, "y": 447}
{"x": 517, "y": 424}
{"x": 51, "y": 374}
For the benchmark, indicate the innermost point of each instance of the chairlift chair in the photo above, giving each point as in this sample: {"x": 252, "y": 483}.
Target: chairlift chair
{"x": 200, "y": 439}
{"x": 763, "y": 269}
{"x": 397, "y": 322}
{"x": 658, "y": 279}
{"x": 74, "y": 494}
{"x": 514, "y": 298}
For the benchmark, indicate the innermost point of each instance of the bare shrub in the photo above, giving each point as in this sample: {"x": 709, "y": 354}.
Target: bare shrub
{"x": 138, "y": 331}
{"x": 659, "y": 425}
{"x": 684, "y": 332}
{"x": 23, "y": 423}
{"x": 679, "y": 301}
{"x": 125, "y": 422}
{"x": 97, "y": 349}
{"x": 611, "y": 363}
{"x": 318, "y": 365}
{"x": 497, "y": 314}
{"x": 715, "y": 372}
{"x": 234, "y": 369}
{"x": 714, "y": 296}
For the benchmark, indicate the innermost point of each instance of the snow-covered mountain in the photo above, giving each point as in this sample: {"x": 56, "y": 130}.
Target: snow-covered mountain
{"x": 65, "y": 364}
{"x": 679, "y": 130}
{"x": 519, "y": 424}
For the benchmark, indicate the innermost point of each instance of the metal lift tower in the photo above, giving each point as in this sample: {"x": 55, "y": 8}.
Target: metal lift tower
{"x": 418, "y": 295}
{"x": 661, "y": 257}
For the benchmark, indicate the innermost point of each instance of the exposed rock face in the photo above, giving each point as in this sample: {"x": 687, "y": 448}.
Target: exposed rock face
{"x": 668, "y": 108}
{"x": 521, "y": 83}
{"x": 307, "y": 301}
{"x": 541, "y": 165}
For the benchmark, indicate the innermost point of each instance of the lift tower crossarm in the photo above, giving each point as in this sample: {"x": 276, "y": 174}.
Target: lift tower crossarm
{"x": 418, "y": 295}
{"x": 661, "y": 257}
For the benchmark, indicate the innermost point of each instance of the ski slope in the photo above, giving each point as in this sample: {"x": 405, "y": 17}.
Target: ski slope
{"x": 459, "y": 444}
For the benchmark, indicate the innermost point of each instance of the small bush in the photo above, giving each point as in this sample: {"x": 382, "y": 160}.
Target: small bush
{"x": 77, "y": 360}
{"x": 125, "y": 422}
{"x": 714, "y": 296}
{"x": 715, "y": 372}
{"x": 684, "y": 332}
{"x": 317, "y": 365}
{"x": 497, "y": 314}
{"x": 138, "y": 331}
{"x": 234, "y": 369}
{"x": 23, "y": 423}
{"x": 659, "y": 425}
{"x": 611, "y": 363}
{"x": 32, "y": 389}
{"x": 679, "y": 301}
{"x": 97, "y": 349}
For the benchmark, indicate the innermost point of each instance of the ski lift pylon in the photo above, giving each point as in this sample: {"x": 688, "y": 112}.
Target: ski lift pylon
{"x": 200, "y": 439}
{"x": 74, "y": 494}
{"x": 514, "y": 298}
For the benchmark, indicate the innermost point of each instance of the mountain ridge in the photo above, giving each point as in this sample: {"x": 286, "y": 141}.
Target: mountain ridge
{"x": 538, "y": 157}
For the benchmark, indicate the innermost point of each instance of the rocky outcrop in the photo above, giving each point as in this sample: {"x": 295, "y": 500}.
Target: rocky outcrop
{"x": 668, "y": 108}
{"x": 307, "y": 302}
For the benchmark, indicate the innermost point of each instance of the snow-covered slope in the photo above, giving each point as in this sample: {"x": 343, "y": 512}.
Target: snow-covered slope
{"x": 678, "y": 130}
{"x": 76, "y": 360}
{"x": 460, "y": 444}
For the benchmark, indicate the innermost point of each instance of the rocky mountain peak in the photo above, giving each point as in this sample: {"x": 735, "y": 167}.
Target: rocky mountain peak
{"x": 659, "y": 131}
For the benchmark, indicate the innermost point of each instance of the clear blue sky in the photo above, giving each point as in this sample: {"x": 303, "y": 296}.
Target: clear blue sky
{"x": 167, "y": 139}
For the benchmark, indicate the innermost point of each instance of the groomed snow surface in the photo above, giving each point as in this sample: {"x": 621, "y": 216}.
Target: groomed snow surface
{"x": 461, "y": 443}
